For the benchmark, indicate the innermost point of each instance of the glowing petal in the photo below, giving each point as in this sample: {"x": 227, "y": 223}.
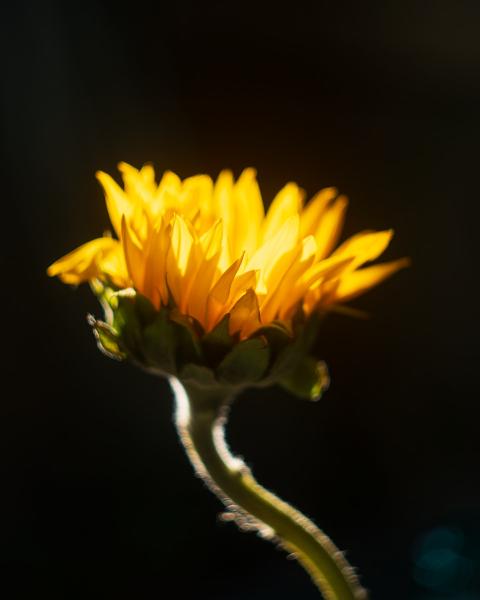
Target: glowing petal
{"x": 245, "y": 315}
{"x": 286, "y": 204}
{"x": 82, "y": 264}
{"x": 365, "y": 246}
{"x": 358, "y": 282}
{"x": 178, "y": 258}
{"x": 330, "y": 227}
{"x": 209, "y": 249}
{"x": 117, "y": 201}
{"x": 133, "y": 255}
{"x": 314, "y": 210}
{"x": 219, "y": 294}
{"x": 248, "y": 203}
{"x": 266, "y": 257}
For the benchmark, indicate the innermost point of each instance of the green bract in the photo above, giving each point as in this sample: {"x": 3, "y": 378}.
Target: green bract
{"x": 167, "y": 343}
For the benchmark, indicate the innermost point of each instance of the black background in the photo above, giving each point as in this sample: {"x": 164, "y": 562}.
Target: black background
{"x": 380, "y": 100}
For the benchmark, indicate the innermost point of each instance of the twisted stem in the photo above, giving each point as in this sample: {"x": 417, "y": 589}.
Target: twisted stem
{"x": 201, "y": 415}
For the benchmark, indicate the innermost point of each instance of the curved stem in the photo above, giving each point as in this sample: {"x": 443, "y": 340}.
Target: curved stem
{"x": 200, "y": 419}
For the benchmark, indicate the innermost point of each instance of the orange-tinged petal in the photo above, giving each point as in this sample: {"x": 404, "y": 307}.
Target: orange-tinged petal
{"x": 197, "y": 301}
{"x": 154, "y": 284}
{"x": 240, "y": 284}
{"x": 218, "y": 295}
{"x": 245, "y": 315}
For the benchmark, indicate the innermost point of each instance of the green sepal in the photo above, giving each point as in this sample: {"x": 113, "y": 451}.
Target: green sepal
{"x": 187, "y": 339}
{"x": 246, "y": 363}
{"x": 107, "y": 338}
{"x": 127, "y": 324}
{"x": 309, "y": 379}
{"x": 199, "y": 375}
{"x": 159, "y": 343}
{"x": 147, "y": 313}
{"x": 218, "y": 342}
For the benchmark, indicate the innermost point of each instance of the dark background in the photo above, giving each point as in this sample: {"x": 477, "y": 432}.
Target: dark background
{"x": 380, "y": 100}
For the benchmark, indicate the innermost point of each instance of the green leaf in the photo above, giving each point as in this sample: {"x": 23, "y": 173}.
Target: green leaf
{"x": 246, "y": 363}
{"x": 309, "y": 379}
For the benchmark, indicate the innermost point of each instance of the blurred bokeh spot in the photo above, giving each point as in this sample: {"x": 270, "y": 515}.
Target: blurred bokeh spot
{"x": 445, "y": 563}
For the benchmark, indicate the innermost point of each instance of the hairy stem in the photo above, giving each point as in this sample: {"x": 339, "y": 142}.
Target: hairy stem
{"x": 200, "y": 418}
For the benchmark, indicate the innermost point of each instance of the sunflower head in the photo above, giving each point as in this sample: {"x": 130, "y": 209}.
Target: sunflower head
{"x": 200, "y": 283}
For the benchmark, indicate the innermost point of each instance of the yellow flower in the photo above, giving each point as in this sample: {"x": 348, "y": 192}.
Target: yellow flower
{"x": 209, "y": 249}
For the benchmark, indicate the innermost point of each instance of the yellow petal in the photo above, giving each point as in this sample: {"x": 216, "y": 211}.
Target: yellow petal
{"x": 365, "y": 246}
{"x": 112, "y": 265}
{"x": 286, "y": 204}
{"x": 314, "y": 210}
{"x": 197, "y": 301}
{"x": 139, "y": 185}
{"x": 181, "y": 245}
{"x": 249, "y": 214}
{"x": 240, "y": 284}
{"x": 330, "y": 227}
{"x": 224, "y": 208}
{"x": 167, "y": 195}
{"x": 328, "y": 268}
{"x": 117, "y": 201}
{"x": 218, "y": 295}
{"x": 196, "y": 197}
{"x": 133, "y": 256}
{"x": 82, "y": 264}
{"x": 282, "y": 295}
{"x": 211, "y": 240}
{"x": 267, "y": 256}
{"x": 154, "y": 284}
{"x": 358, "y": 282}
{"x": 245, "y": 315}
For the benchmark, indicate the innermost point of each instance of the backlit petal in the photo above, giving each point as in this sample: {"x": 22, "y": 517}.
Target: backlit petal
{"x": 358, "y": 282}
{"x": 117, "y": 201}
{"x": 330, "y": 227}
{"x": 286, "y": 204}
{"x": 82, "y": 264}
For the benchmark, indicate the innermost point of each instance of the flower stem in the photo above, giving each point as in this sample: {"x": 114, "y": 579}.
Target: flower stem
{"x": 200, "y": 419}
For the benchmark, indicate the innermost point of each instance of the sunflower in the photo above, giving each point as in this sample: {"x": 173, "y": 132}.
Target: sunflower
{"x": 210, "y": 249}
{"x": 201, "y": 285}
